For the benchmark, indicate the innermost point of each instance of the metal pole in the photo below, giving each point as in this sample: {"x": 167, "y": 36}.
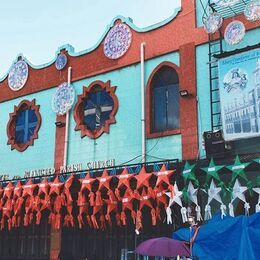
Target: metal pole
{"x": 143, "y": 101}
{"x": 67, "y": 126}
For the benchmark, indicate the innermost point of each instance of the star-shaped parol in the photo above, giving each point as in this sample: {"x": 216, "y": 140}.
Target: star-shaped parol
{"x": 56, "y": 186}
{"x": 143, "y": 178}
{"x": 44, "y": 187}
{"x": 18, "y": 189}
{"x": 86, "y": 183}
{"x": 212, "y": 171}
{"x": 124, "y": 179}
{"x": 257, "y": 190}
{"x": 69, "y": 182}
{"x": 213, "y": 192}
{"x": 159, "y": 196}
{"x": 1, "y": 191}
{"x": 127, "y": 200}
{"x": 144, "y": 199}
{"x": 192, "y": 193}
{"x": 257, "y": 160}
{"x": 238, "y": 191}
{"x": 104, "y": 180}
{"x": 238, "y": 169}
{"x": 163, "y": 176}
{"x": 176, "y": 197}
{"x": 28, "y": 188}
{"x": 8, "y": 190}
{"x": 188, "y": 173}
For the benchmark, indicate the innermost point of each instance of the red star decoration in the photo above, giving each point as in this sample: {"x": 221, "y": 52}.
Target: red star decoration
{"x": 143, "y": 178}
{"x": 43, "y": 187}
{"x": 111, "y": 206}
{"x": 163, "y": 176}
{"x": 143, "y": 199}
{"x": 8, "y": 190}
{"x": 86, "y": 183}
{"x": 160, "y": 196}
{"x": 96, "y": 209}
{"x": 28, "y": 188}
{"x": 111, "y": 202}
{"x": 127, "y": 201}
{"x": 56, "y": 186}
{"x": 46, "y": 203}
{"x": 104, "y": 180}
{"x": 124, "y": 178}
{"x": 1, "y": 191}
{"x": 69, "y": 182}
{"x": 18, "y": 189}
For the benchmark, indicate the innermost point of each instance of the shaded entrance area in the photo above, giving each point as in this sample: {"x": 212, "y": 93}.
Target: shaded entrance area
{"x": 113, "y": 243}
{"x": 25, "y": 243}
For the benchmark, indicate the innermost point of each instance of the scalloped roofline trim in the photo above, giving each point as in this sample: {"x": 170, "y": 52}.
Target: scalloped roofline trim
{"x": 71, "y": 51}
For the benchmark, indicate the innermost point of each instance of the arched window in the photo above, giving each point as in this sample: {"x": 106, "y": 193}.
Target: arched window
{"x": 164, "y": 116}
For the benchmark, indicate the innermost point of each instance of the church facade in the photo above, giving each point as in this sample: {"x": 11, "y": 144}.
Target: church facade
{"x": 95, "y": 144}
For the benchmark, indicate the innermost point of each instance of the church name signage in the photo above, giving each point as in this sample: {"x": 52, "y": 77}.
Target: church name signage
{"x": 63, "y": 169}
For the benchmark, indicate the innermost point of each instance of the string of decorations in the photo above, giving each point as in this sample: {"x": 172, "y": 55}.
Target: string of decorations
{"x": 120, "y": 199}
{"x": 235, "y": 30}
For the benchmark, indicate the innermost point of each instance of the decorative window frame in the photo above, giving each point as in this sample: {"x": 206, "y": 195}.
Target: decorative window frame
{"x": 10, "y": 129}
{"x": 79, "y": 110}
{"x": 149, "y": 108}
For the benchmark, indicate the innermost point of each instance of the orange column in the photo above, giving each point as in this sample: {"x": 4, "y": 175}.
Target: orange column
{"x": 188, "y": 105}
{"x": 55, "y": 236}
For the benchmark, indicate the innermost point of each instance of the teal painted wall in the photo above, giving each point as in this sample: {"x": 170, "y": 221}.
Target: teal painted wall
{"x": 123, "y": 143}
{"x": 200, "y": 11}
{"x": 203, "y": 86}
{"x": 41, "y": 154}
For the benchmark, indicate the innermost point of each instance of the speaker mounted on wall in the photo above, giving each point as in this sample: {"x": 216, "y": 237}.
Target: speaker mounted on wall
{"x": 214, "y": 144}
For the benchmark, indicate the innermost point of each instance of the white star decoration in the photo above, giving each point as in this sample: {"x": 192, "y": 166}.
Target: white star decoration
{"x": 257, "y": 190}
{"x": 213, "y": 192}
{"x": 238, "y": 191}
{"x": 176, "y": 197}
{"x": 192, "y": 192}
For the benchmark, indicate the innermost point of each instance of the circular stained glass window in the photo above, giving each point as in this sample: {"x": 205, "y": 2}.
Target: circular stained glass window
{"x": 234, "y": 32}
{"x": 213, "y": 22}
{"x": 61, "y": 61}
{"x": 117, "y": 41}
{"x": 95, "y": 109}
{"x": 18, "y": 75}
{"x": 252, "y": 10}
{"x": 23, "y": 125}
{"x": 63, "y": 99}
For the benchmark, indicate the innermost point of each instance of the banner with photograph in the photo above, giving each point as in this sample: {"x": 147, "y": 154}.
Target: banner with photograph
{"x": 239, "y": 89}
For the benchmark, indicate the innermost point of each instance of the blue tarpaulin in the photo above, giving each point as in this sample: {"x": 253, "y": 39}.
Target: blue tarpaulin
{"x": 229, "y": 238}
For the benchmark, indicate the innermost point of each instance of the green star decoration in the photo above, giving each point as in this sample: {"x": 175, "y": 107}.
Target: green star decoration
{"x": 188, "y": 173}
{"x": 257, "y": 160}
{"x": 238, "y": 169}
{"x": 212, "y": 171}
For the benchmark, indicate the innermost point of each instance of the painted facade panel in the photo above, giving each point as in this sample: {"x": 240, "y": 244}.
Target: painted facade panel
{"x": 41, "y": 154}
{"x": 123, "y": 143}
{"x": 203, "y": 86}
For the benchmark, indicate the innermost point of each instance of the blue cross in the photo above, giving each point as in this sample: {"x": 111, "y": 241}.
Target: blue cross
{"x": 27, "y": 124}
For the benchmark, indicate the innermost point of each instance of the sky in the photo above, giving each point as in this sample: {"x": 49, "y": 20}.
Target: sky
{"x": 38, "y": 28}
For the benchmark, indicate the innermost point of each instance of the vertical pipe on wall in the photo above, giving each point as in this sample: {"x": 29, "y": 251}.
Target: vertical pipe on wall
{"x": 143, "y": 101}
{"x": 67, "y": 126}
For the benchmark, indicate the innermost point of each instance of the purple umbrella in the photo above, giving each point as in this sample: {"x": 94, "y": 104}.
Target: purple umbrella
{"x": 163, "y": 246}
